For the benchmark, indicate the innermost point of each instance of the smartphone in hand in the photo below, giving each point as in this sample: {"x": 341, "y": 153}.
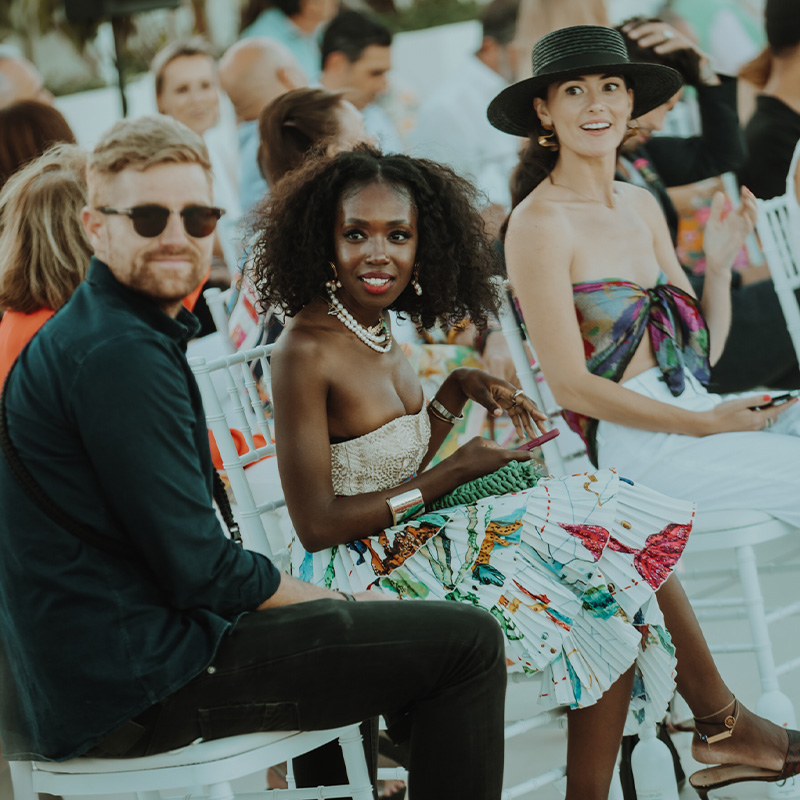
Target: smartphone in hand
{"x": 545, "y": 437}
{"x": 778, "y": 400}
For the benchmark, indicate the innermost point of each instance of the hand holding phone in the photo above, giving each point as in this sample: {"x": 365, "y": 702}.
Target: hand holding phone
{"x": 545, "y": 437}
{"x": 778, "y": 400}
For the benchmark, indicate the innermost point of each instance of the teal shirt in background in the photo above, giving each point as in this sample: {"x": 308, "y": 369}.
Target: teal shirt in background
{"x": 105, "y": 413}
{"x": 304, "y": 46}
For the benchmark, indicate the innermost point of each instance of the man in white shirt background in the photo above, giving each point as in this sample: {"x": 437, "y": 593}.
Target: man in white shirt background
{"x": 452, "y": 125}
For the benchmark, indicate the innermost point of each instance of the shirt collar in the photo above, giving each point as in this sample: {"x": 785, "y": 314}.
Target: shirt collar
{"x": 181, "y": 328}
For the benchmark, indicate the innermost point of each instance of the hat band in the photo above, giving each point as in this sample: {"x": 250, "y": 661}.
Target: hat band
{"x": 583, "y": 61}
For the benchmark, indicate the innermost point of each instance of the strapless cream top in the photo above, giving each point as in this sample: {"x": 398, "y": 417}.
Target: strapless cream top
{"x": 381, "y": 458}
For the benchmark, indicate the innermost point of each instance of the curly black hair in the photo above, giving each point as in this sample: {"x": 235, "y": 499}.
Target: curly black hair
{"x": 295, "y": 236}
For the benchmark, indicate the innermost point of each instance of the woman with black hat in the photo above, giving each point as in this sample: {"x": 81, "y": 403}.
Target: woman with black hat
{"x": 606, "y": 303}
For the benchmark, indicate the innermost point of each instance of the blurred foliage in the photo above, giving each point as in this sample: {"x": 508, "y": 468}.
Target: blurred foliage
{"x": 24, "y": 17}
{"x": 429, "y": 13}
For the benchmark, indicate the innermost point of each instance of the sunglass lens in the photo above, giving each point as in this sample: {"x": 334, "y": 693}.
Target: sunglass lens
{"x": 149, "y": 221}
{"x": 200, "y": 221}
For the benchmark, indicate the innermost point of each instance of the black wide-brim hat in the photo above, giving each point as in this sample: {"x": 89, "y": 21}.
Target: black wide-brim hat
{"x": 580, "y": 50}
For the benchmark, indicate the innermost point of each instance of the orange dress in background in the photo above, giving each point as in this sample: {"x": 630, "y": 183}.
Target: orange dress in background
{"x": 16, "y": 330}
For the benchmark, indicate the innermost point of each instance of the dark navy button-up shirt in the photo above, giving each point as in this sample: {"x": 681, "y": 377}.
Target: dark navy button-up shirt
{"x": 105, "y": 413}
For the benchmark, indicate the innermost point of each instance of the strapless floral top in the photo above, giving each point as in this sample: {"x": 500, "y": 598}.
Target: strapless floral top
{"x": 614, "y": 314}
{"x": 381, "y": 458}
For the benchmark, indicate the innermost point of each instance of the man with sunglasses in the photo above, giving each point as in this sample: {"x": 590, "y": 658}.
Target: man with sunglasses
{"x": 124, "y": 624}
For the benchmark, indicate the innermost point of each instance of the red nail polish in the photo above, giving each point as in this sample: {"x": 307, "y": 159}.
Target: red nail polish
{"x": 767, "y": 397}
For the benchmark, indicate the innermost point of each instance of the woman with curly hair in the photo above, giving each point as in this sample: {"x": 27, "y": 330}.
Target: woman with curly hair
{"x": 576, "y": 570}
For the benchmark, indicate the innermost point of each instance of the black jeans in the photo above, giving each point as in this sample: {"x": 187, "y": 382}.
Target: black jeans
{"x": 435, "y": 670}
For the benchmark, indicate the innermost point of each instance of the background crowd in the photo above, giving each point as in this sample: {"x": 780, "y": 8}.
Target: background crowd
{"x": 317, "y": 78}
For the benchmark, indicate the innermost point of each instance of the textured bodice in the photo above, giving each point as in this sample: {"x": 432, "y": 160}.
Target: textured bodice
{"x": 381, "y": 458}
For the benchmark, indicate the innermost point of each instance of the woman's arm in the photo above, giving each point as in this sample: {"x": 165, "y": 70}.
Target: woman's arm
{"x": 539, "y": 253}
{"x": 321, "y": 519}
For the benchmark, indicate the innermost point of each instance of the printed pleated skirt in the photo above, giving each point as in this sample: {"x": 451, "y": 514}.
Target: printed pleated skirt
{"x": 569, "y": 570}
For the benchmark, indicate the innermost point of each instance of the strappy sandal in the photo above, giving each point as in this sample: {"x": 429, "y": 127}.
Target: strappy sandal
{"x": 716, "y": 777}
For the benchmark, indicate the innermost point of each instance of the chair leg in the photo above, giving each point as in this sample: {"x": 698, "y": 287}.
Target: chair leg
{"x": 773, "y": 703}
{"x": 22, "y": 780}
{"x": 355, "y": 763}
{"x": 220, "y": 791}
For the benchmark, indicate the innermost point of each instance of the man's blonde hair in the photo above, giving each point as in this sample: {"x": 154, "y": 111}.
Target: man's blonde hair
{"x": 141, "y": 143}
{"x": 44, "y": 252}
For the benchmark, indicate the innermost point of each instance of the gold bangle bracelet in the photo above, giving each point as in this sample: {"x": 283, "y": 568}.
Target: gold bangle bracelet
{"x": 406, "y": 505}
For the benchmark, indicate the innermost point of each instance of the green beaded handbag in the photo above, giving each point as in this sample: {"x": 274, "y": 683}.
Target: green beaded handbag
{"x": 513, "y": 477}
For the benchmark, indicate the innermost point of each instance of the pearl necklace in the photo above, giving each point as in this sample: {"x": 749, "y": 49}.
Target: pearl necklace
{"x": 377, "y": 336}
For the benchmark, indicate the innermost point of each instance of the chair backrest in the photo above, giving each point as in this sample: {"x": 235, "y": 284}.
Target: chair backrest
{"x": 217, "y": 302}
{"x": 778, "y": 229}
{"x": 566, "y": 453}
{"x": 244, "y": 410}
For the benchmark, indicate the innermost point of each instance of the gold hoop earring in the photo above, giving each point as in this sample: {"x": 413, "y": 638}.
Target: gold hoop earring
{"x": 334, "y": 283}
{"x": 631, "y": 131}
{"x": 548, "y": 140}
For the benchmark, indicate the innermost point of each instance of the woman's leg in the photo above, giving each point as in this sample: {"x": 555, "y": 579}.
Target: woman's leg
{"x": 593, "y": 739}
{"x": 755, "y": 741}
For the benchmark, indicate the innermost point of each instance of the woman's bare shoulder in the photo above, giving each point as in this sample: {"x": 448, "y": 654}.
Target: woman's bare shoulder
{"x": 535, "y": 212}
{"x": 303, "y": 340}
{"x": 637, "y": 196}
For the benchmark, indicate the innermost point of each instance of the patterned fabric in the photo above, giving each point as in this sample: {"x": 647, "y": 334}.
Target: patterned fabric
{"x": 568, "y": 569}
{"x": 613, "y": 316}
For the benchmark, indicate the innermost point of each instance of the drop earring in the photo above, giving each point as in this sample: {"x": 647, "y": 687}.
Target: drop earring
{"x": 334, "y": 283}
{"x": 548, "y": 140}
{"x": 415, "y": 280}
{"x": 631, "y": 131}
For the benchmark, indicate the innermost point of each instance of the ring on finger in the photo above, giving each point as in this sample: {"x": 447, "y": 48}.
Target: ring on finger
{"x": 668, "y": 34}
{"x": 768, "y": 423}
{"x": 517, "y": 394}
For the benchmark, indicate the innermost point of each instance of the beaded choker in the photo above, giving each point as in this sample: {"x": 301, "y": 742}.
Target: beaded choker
{"x": 377, "y": 336}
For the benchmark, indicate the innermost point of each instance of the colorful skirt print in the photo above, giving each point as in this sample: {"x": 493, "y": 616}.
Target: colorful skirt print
{"x": 568, "y": 569}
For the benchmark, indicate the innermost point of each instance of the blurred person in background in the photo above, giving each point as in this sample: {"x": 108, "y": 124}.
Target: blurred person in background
{"x": 20, "y": 80}
{"x": 292, "y": 128}
{"x": 187, "y": 86}
{"x": 295, "y": 23}
{"x": 452, "y": 127}
{"x": 356, "y": 58}
{"x": 538, "y": 17}
{"x": 669, "y": 161}
{"x": 253, "y": 72}
{"x": 27, "y": 129}
{"x": 187, "y": 89}
{"x": 758, "y": 350}
{"x": 774, "y": 129}
{"x": 44, "y": 252}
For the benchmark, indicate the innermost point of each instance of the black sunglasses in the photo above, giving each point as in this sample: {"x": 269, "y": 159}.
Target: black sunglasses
{"x": 151, "y": 220}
